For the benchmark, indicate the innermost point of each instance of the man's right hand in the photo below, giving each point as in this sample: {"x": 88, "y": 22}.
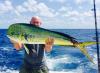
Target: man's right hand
{"x": 17, "y": 45}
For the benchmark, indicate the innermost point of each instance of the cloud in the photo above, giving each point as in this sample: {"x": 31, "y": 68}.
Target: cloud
{"x": 98, "y": 13}
{"x": 20, "y": 8}
{"x": 65, "y": 11}
{"x": 87, "y": 1}
{"x": 60, "y": 1}
{"x": 32, "y": 2}
{"x": 17, "y": 13}
{"x": 27, "y": 6}
{"x": 63, "y": 14}
{"x": 80, "y": 1}
{"x": 35, "y": 7}
{"x": 71, "y": 13}
{"x": 90, "y": 13}
{"x": 96, "y": 1}
{"x": 30, "y": 5}
{"x": 62, "y": 9}
{"x": 6, "y": 6}
{"x": 44, "y": 10}
{"x": 87, "y": 14}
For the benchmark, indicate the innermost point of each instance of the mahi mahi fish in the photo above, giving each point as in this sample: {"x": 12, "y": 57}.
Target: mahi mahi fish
{"x": 30, "y": 34}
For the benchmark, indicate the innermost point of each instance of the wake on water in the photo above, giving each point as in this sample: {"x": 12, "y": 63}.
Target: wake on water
{"x": 14, "y": 71}
{"x": 59, "y": 64}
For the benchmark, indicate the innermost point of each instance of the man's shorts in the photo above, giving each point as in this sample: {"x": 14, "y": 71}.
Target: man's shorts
{"x": 40, "y": 70}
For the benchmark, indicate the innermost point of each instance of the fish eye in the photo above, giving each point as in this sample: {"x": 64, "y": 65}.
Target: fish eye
{"x": 30, "y": 36}
{"x": 12, "y": 33}
{"x": 18, "y": 33}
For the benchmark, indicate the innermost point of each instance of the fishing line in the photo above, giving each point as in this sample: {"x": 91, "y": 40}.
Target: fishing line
{"x": 97, "y": 36}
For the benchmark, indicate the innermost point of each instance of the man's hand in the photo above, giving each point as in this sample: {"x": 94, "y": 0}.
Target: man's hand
{"x": 48, "y": 44}
{"x": 17, "y": 45}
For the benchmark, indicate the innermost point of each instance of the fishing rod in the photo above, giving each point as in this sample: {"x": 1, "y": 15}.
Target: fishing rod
{"x": 97, "y": 36}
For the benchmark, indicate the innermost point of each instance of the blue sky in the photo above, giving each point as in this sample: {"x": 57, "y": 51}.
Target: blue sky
{"x": 55, "y": 14}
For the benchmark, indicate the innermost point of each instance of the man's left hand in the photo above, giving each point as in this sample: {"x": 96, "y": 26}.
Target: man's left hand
{"x": 49, "y": 43}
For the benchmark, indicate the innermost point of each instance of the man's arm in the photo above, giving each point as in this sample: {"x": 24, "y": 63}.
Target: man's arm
{"x": 17, "y": 45}
{"x": 48, "y": 44}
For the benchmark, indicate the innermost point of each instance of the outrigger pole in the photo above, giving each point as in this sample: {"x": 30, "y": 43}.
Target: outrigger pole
{"x": 97, "y": 36}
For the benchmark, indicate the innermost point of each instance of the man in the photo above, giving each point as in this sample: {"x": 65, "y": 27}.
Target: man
{"x": 34, "y": 62}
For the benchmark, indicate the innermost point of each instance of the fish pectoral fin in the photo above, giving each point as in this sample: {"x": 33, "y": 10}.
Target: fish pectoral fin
{"x": 27, "y": 50}
{"x": 84, "y": 51}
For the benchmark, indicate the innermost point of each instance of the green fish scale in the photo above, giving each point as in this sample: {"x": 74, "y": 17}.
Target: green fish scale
{"x": 19, "y": 30}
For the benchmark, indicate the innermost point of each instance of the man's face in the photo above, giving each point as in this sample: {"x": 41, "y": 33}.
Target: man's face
{"x": 37, "y": 24}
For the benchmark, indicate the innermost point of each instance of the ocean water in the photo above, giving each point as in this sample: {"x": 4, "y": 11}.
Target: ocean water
{"x": 60, "y": 60}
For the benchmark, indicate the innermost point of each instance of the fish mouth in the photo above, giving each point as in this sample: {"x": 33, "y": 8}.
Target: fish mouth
{"x": 12, "y": 38}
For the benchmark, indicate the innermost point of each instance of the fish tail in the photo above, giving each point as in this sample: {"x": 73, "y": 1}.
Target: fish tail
{"x": 83, "y": 50}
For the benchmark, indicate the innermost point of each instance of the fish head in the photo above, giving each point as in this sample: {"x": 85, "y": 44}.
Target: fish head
{"x": 14, "y": 31}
